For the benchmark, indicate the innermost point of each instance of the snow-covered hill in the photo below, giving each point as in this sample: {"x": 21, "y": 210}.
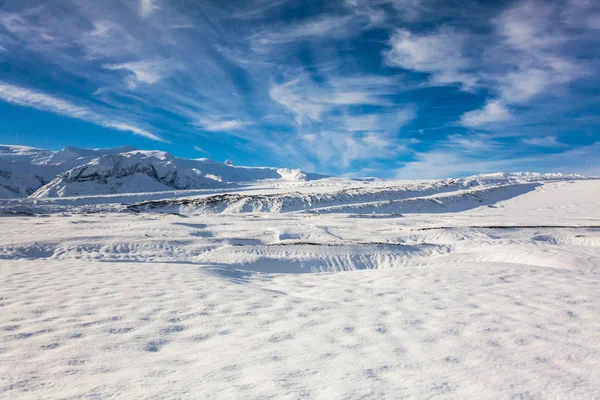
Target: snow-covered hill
{"x": 384, "y": 197}
{"x": 27, "y": 171}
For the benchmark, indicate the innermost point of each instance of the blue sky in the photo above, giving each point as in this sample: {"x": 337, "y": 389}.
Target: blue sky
{"x": 388, "y": 88}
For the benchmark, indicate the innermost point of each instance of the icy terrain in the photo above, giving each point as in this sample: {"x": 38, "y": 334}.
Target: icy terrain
{"x": 481, "y": 287}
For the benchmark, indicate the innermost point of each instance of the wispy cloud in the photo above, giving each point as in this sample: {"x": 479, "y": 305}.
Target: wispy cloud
{"x": 539, "y": 37}
{"x": 28, "y": 98}
{"x": 544, "y": 141}
{"x": 529, "y": 52}
{"x": 405, "y": 10}
{"x": 455, "y": 156}
{"x": 220, "y": 125}
{"x": 249, "y": 10}
{"x": 286, "y": 95}
{"x": 148, "y": 7}
{"x": 440, "y": 53}
{"x": 308, "y": 100}
{"x": 325, "y": 27}
{"x": 462, "y": 155}
{"x": 467, "y": 155}
{"x": 357, "y": 123}
{"x": 494, "y": 111}
{"x": 339, "y": 147}
{"x": 141, "y": 72}
{"x": 354, "y": 85}
{"x": 199, "y": 149}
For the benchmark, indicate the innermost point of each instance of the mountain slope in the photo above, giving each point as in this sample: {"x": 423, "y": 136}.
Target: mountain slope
{"x": 26, "y": 171}
{"x": 19, "y": 179}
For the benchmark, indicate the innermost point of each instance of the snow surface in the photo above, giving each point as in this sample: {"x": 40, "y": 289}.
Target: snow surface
{"x": 480, "y": 287}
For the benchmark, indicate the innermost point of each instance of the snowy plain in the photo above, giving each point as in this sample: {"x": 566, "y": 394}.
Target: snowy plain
{"x": 482, "y": 287}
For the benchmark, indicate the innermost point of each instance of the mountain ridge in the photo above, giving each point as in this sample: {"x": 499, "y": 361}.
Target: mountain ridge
{"x": 71, "y": 172}
{"x": 28, "y": 171}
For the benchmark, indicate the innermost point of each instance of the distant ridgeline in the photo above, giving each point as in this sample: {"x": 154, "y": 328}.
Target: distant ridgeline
{"x": 38, "y": 173}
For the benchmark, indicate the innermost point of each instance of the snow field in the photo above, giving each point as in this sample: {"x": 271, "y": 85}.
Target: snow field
{"x": 488, "y": 302}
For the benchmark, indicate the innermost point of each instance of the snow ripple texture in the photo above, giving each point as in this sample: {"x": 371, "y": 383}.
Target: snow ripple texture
{"x": 483, "y": 287}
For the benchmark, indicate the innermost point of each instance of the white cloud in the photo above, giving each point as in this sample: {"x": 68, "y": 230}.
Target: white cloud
{"x": 344, "y": 148}
{"x": 529, "y": 25}
{"x": 363, "y": 148}
{"x": 439, "y": 53}
{"x": 107, "y": 40}
{"x": 325, "y": 27}
{"x": 285, "y": 94}
{"x": 520, "y": 86}
{"x": 101, "y": 29}
{"x": 434, "y": 165}
{"x": 349, "y": 98}
{"x": 441, "y": 163}
{"x": 494, "y": 111}
{"x": 470, "y": 144}
{"x": 220, "y": 125}
{"x": 409, "y": 10}
{"x": 458, "y": 155}
{"x": 308, "y": 101}
{"x": 544, "y": 141}
{"x": 357, "y": 123}
{"x": 429, "y": 52}
{"x": 363, "y": 8}
{"x": 539, "y": 35}
{"x": 248, "y": 10}
{"x": 530, "y": 52}
{"x": 22, "y": 27}
{"x": 332, "y": 129}
{"x": 148, "y": 72}
{"x": 388, "y": 121}
{"x": 413, "y": 9}
{"x": 28, "y": 98}
{"x": 148, "y": 7}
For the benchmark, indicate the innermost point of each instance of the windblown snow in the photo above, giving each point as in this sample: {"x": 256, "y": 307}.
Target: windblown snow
{"x": 136, "y": 274}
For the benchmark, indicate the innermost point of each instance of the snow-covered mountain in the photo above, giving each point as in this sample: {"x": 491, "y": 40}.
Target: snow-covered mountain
{"x": 24, "y": 169}
{"x": 19, "y": 179}
{"x": 72, "y": 172}
{"x": 27, "y": 171}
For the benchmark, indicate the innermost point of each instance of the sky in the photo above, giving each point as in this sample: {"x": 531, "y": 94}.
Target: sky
{"x": 387, "y": 88}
